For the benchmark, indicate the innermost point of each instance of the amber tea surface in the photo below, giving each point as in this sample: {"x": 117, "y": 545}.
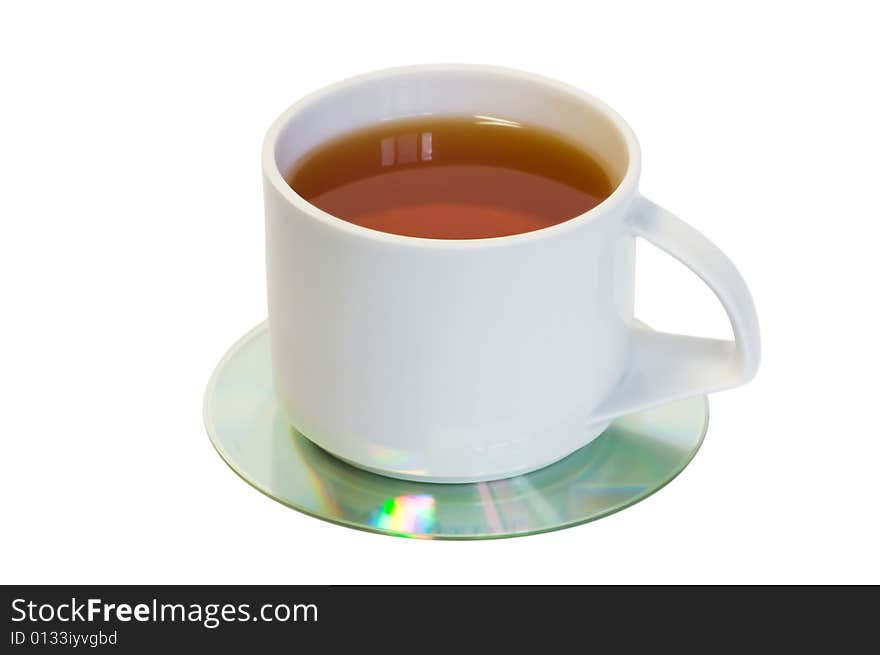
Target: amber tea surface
{"x": 451, "y": 177}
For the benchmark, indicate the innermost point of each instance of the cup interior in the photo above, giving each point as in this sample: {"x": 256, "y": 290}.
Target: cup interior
{"x": 453, "y": 91}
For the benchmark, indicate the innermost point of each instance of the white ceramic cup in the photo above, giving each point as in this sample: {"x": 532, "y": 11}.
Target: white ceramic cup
{"x": 467, "y": 360}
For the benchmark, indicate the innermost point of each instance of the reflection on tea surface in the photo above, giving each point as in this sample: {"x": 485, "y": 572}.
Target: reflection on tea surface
{"x": 451, "y": 178}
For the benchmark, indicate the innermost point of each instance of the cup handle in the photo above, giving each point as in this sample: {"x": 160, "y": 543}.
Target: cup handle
{"x": 665, "y": 367}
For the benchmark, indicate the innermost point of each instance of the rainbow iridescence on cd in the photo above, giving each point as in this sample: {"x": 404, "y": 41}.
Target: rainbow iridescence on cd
{"x": 405, "y": 514}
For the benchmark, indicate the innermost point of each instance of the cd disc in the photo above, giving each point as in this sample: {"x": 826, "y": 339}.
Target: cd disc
{"x": 637, "y": 455}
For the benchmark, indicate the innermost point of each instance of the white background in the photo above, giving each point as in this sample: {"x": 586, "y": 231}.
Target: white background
{"x": 131, "y": 258}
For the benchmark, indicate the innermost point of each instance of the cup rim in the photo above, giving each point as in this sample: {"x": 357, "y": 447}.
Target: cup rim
{"x": 622, "y": 192}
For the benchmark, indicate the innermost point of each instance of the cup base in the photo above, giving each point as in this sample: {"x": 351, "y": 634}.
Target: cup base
{"x": 631, "y": 459}
{"x": 589, "y": 433}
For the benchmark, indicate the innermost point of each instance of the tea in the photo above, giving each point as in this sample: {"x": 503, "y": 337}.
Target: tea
{"x": 451, "y": 177}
